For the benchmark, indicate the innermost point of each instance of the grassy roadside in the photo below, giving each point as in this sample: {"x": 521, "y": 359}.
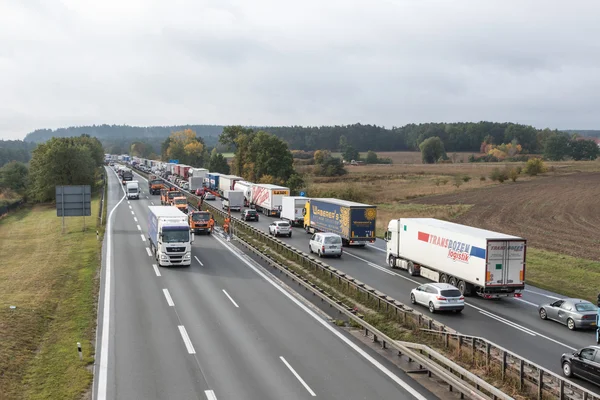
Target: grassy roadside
{"x": 51, "y": 278}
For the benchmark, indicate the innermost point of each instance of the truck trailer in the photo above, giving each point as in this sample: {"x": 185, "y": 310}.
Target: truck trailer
{"x": 227, "y": 182}
{"x": 195, "y": 182}
{"x": 234, "y": 200}
{"x": 292, "y": 209}
{"x": 476, "y": 261}
{"x": 266, "y": 198}
{"x": 169, "y": 236}
{"x": 245, "y": 187}
{"x": 213, "y": 180}
{"x": 354, "y": 222}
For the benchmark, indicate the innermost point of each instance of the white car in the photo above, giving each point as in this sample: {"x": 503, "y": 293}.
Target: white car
{"x": 280, "y": 228}
{"x": 438, "y": 297}
{"x": 326, "y": 244}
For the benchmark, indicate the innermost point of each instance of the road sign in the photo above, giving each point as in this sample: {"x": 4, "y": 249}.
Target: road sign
{"x": 74, "y": 201}
{"x": 174, "y": 161}
{"x": 302, "y": 194}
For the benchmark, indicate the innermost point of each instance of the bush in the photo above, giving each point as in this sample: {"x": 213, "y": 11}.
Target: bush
{"x": 458, "y": 181}
{"x": 466, "y": 178}
{"x": 513, "y": 174}
{"x": 535, "y": 166}
{"x": 482, "y": 178}
{"x": 498, "y": 175}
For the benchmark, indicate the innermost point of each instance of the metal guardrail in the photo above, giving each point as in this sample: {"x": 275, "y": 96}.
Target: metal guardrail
{"x": 545, "y": 382}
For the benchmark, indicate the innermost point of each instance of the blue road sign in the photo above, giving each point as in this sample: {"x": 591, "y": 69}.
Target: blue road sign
{"x": 302, "y": 194}
{"x": 174, "y": 161}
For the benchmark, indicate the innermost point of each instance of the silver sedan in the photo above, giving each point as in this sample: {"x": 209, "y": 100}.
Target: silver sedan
{"x": 574, "y": 313}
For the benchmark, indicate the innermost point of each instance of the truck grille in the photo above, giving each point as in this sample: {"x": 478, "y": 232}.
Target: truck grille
{"x": 175, "y": 249}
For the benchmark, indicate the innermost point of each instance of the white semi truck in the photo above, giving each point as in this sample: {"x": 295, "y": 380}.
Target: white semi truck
{"x": 234, "y": 200}
{"x": 245, "y": 187}
{"x": 292, "y": 209}
{"x": 476, "y": 261}
{"x": 169, "y": 236}
{"x": 266, "y": 198}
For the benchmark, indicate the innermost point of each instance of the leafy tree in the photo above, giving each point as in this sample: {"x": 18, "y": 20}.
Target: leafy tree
{"x": 321, "y": 155}
{"x": 14, "y": 176}
{"x": 62, "y": 161}
{"x": 331, "y": 166}
{"x": 556, "y": 147}
{"x": 535, "y": 166}
{"x": 140, "y": 149}
{"x": 350, "y": 153}
{"x": 295, "y": 182}
{"x": 218, "y": 163}
{"x": 432, "y": 150}
{"x": 499, "y": 175}
{"x": 186, "y": 147}
{"x": 584, "y": 150}
{"x": 270, "y": 156}
{"x": 371, "y": 157}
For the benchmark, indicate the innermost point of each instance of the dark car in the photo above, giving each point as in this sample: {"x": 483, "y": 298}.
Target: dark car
{"x": 249, "y": 215}
{"x": 584, "y": 363}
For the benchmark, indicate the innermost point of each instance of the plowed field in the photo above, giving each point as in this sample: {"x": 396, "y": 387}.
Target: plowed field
{"x": 556, "y": 213}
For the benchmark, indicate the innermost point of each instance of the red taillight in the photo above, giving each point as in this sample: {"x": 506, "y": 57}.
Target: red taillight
{"x": 462, "y": 297}
{"x": 323, "y": 249}
{"x": 440, "y": 298}
{"x": 518, "y": 294}
{"x": 487, "y": 296}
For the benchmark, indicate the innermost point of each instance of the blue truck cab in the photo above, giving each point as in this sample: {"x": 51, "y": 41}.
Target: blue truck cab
{"x": 354, "y": 222}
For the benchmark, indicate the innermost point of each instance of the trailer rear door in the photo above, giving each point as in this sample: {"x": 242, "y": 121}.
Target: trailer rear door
{"x": 506, "y": 263}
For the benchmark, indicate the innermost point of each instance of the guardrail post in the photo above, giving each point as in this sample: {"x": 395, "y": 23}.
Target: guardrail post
{"x": 503, "y": 365}
{"x": 561, "y": 389}
{"x": 487, "y": 354}
{"x": 473, "y": 350}
{"x": 522, "y": 374}
{"x": 460, "y": 342}
{"x": 540, "y": 383}
{"x": 447, "y": 340}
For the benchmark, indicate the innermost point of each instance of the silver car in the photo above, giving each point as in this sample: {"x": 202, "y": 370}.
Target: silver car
{"x": 326, "y": 244}
{"x": 280, "y": 228}
{"x": 438, "y": 297}
{"x": 574, "y": 313}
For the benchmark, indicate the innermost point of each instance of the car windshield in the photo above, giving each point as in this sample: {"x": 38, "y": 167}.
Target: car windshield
{"x": 251, "y": 212}
{"x": 156, "y": 182}
{"x": 174, "y": 194}
{"x": 283, "y": 224}
{"x": 132, "y": 190}
{"x": 451, "y": 293}
{"x": 333, "y": 240}
{"x": 200, "y": 217}
{"x": 585, "y": 307}
{"x": 174, "y": 236}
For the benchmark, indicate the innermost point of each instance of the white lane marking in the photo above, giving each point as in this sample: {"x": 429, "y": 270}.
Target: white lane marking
{"x": 147, "y": 197}
{"x": 200, "y": 262}
{"x": 210, "y": 395}
{"x": 382, "y": 269}
{"x": 298, "y": 377}
{"x": 139, "y": 228}
{"x": 186, "y": 340}
{"x": 132, "y": 213}
{"x": 148, "y": 251}
{"x": 526, "y": 302}
{"x": 376, "y": 248}
{"x": 325, "y": 324}
{"x": 542, "y": 294}
{"x": 130, "y": 207}
{"x": 135, "y": 219}
{"x": 517, "y": 325}
{"x": 229, "y": 297}
{"x": 128, "y": 202}
{"x": 143, "y": 238}
{"x": 152, "y": 202}
{"x": 156, "y": 269}
{"x": 484, "y": 312}
{"x": 103, "y": 365}
{"x": 168, "y": 297}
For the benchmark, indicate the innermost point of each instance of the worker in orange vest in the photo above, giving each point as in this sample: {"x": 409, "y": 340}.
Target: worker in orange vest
{"x": 211, "y": 223}
{"x": 226, "y": 225}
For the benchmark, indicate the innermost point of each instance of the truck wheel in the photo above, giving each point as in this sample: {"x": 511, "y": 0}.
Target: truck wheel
{"x": 392, "y": 261}
{"x": 443, "y": 278}
{"x": 452, "y": 281}
{"x": 411, "y": 269}
{"x": 464, "y": 288}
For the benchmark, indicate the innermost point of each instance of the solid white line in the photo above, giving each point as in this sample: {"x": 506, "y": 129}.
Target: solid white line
{"x": 103, "y": 365}
{"x": 326, "y": 325}
{"x": 526, "y": 302}
{"x": 499, "y": 319}
{"x": 139, "y": 228}
{"x": 156, "y": 269}
{"x": 143, "y": 238}
{"x": 135, "y": 219}
{"x": 234, "y": 303}
{"x": 148, "y": 251}
{"x": 542, "y": 294}
{"x": 200, "y": 262}
{"x": 210, "y": 395}
{"x": 537, "y": 333}
{"x": 168, "y": 297}
{"x": 186, "y": 340}
{"x": 298, "y": 377}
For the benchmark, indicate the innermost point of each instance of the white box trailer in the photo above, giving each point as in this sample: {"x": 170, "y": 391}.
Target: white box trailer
{"x": 235, "y": 200}
{"x": 245, "y": 187}
{"x": 195, "y": 182}
{"x": 292, "y": 209}
{"x": 266, "y": 198}
{"x": 489, "y": 264}
{"x": 198, "y": 172}
{"x": 227, "y": 182}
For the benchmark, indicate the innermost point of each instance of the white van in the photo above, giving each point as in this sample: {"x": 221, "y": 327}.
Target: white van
{"x": 133, "y": 190}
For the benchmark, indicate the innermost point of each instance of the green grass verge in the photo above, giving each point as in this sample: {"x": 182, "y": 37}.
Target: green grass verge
{"x": 52, "y": 280}
{"x": 559, "y": 273}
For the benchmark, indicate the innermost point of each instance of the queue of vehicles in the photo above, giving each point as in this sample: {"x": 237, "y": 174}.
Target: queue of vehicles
{"x": 460, "y": 260}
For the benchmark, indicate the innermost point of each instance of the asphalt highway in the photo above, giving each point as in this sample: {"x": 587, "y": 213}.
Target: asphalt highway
{"x": 220, "y": 329}
{"x": 511, "y": 323}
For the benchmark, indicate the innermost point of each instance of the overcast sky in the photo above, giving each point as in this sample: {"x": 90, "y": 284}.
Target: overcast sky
{"x": 308, "y": 62}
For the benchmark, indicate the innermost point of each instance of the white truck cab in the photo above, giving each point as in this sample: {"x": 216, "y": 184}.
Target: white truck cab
{"x": 133, "y": 190}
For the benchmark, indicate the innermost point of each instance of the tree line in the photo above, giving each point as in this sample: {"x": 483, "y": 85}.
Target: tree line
{"x": 59, "y": 161}
{"x": 15, "y": 150}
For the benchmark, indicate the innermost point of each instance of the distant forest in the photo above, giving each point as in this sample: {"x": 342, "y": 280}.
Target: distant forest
{"x": 15, "y": 150}
{"x": 457, "y": 137}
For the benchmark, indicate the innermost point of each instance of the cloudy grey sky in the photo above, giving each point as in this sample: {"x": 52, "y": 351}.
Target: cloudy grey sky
{"x": 309, "y": 62}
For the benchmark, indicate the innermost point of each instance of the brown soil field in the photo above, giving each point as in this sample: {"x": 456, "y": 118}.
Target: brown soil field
{"x": 558, "y": 213}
